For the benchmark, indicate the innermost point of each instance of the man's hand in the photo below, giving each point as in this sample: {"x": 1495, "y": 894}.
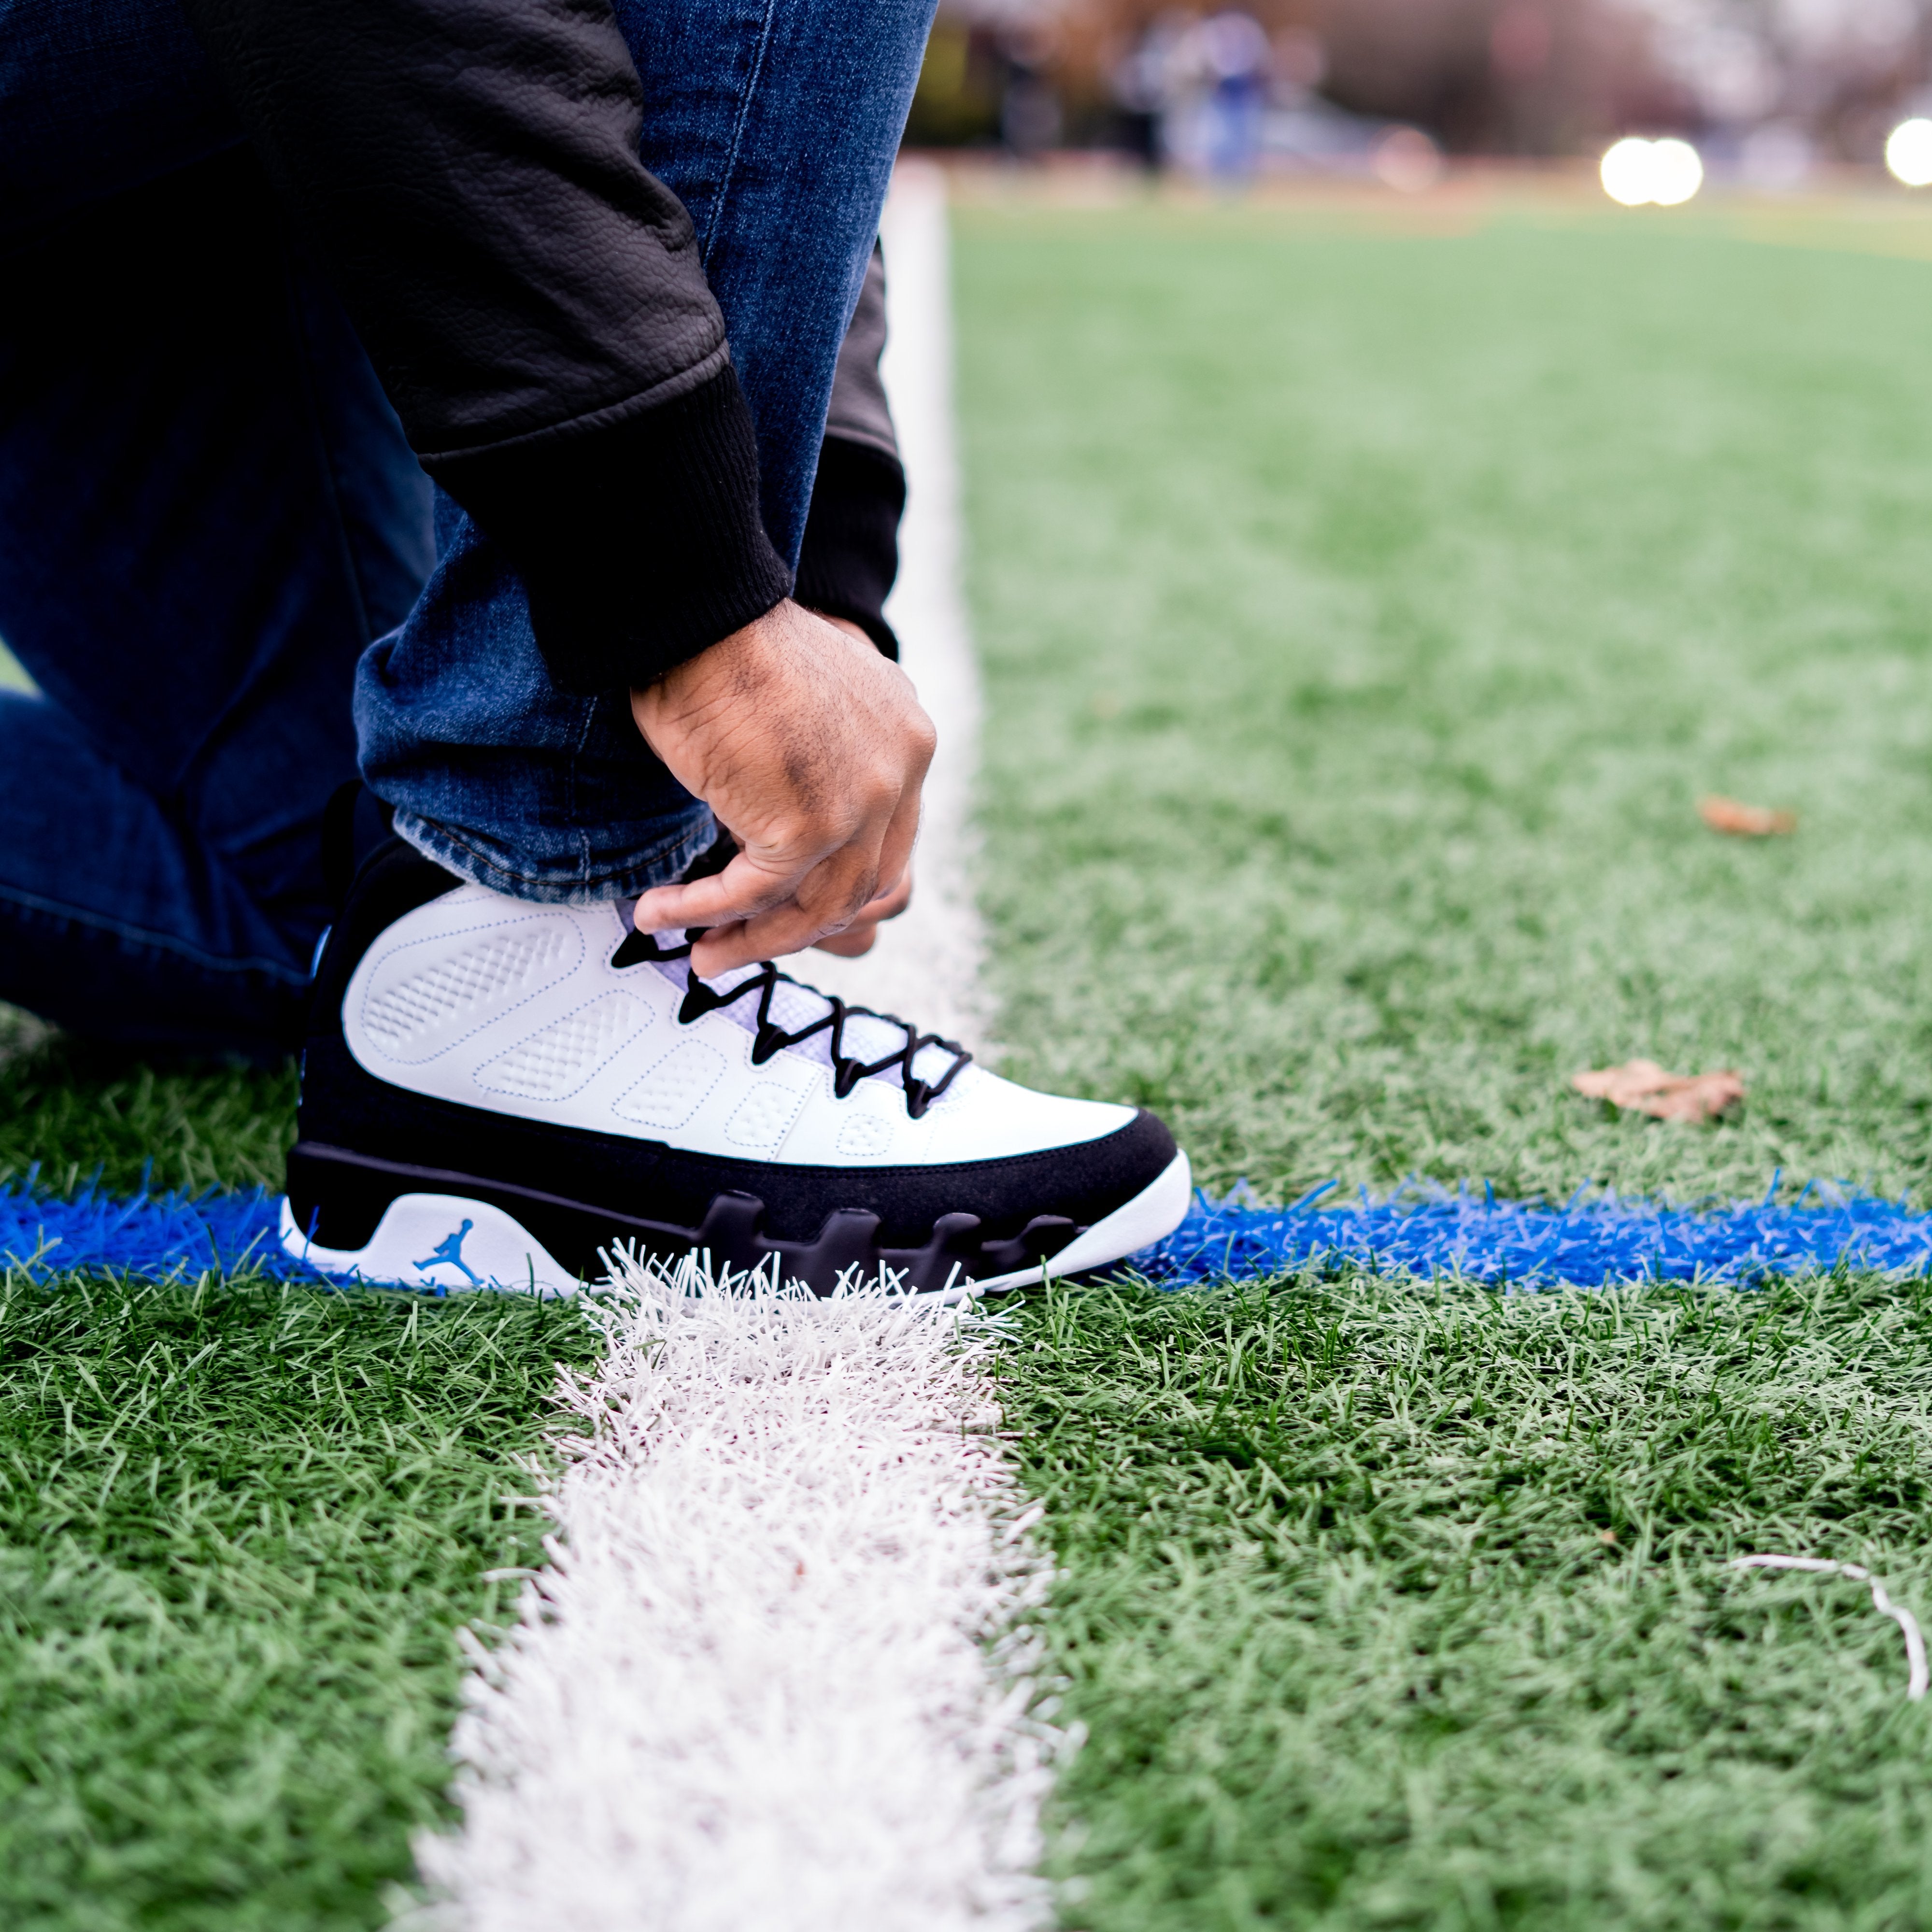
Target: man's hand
{"x": 857, "y": 937}
{"x": 810, "y": 748}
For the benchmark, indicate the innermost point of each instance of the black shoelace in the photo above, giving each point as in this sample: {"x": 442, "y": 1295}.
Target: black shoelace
{"x": 769, "y": 1037}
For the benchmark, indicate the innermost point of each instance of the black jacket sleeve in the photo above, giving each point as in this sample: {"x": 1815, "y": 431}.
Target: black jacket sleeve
{"x": 850, "y": 554}
{"x": 531, "y": 296}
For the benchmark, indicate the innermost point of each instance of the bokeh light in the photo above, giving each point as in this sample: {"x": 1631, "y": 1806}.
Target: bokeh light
{"x": 1626, "y": 172}
{"x": 1676, "y": 172}
{"x": 1406, "y": 159}
{"x": 1908, "y": 153}
{"x": 1636, "y": 173}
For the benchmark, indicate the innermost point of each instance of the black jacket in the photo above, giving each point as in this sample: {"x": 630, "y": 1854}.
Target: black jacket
{"x": 531, "y": 296}
{"x": 850, "y": 554}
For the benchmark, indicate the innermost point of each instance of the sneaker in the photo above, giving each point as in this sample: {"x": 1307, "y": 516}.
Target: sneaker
{"x": 495, "y": 1092}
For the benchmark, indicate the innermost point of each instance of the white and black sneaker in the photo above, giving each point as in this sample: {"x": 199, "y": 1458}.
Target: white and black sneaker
{"x": 494, "y": 1091}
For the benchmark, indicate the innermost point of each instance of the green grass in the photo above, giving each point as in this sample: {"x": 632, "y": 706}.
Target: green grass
{"x": 240, "y": 1525}
{"x": 12, "y": 676}
{"x": 77, "y": 1111}
{"x": 1362, "y": 616}
{"x": 1355, "y": 1648}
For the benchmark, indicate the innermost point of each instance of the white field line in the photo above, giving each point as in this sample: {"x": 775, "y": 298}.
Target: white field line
{"x": 776, "y": 1672}
{"x": 1919, "y": 1678}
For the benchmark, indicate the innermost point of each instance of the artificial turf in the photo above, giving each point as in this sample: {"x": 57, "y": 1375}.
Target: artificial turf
{"x": 1387, "y": 1606}
{"x": 72, "y": 1112}
{"x": 241, "y": 1525}
{"x": 1362, "y": 615}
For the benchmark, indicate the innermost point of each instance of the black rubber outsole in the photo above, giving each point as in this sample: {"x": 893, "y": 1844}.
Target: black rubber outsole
{"x": 337, "y": 1197}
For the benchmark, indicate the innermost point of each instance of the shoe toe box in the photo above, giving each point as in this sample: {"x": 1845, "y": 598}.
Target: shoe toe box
{"x": 983, "y": 1117}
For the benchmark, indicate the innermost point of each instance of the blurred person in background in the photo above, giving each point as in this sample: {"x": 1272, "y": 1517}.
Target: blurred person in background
{"x": 1143, "y": 81}
{"x": 1232, "y": 51}
{"x": 1195, "y": 92}
{"x": 1030, "y": 120}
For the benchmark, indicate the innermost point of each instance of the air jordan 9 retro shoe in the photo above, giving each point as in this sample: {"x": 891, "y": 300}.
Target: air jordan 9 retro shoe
{"x": 496, "y": 1092}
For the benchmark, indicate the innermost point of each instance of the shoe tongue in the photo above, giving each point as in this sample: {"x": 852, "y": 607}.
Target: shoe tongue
{"x": 869, "y": 1037}
{"x": 795, "y": 1007}
{"x": 932, "y": 1063}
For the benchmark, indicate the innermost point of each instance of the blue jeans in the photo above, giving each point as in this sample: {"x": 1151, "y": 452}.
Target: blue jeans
{"x": 213, "y": 541}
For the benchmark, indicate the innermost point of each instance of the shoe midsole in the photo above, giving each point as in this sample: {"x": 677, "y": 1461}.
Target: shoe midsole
{"x": 473, "y": 1243}
{"x": 337, "y": 1198}
{"x": 1151, "y": 1215}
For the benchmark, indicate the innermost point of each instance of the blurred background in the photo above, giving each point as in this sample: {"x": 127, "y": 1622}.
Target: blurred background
{"x": 1770, "y": 94}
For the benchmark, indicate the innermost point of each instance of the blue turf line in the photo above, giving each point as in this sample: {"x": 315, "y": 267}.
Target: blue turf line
{"x": 1527, "y": 1244}
{"x": 157, "y": 1235}
{"x": 1429, "y": 1232}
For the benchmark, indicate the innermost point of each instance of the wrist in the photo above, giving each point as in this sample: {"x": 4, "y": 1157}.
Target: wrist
{"x": 726, "y": 672}
{"x": 849, "y": 625}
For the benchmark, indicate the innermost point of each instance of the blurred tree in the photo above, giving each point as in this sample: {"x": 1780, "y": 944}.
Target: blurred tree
{"x": 1499, "y": 77}
{"x": 957, "y": 103}
{"x": 1527, "y": 77}
{"x": 1834, "y": 73}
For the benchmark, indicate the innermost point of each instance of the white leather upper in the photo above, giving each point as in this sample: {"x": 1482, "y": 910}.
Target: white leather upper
{"x": 513, "y": 1006}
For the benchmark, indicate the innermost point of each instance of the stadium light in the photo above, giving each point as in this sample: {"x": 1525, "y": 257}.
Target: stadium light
{"x": 1676, "y": 172}
{"x": 1908, "y": 153}
{"x": 1626, "y": 172}
{"x": 1636, "y": 172}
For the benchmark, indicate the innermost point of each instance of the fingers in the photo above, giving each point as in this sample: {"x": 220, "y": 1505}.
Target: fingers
{"x": 836, "y": 892}
{"x": 888, "y": 903}
{"x": 812, "y": 748}
{"x": 858, "y": 937}
{"x": 752, "y": 910}
{"x": 835, "y": 895}
{"x": 746, "y": 887}
{"x": 896, "y": 848}
{"x": 752, "y": 904}
{"x": 856, "y": 941}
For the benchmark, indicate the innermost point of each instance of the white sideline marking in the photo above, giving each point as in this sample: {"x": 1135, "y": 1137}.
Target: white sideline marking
{"x": 776, "y": 1673}
{"x": 1917, "y": 1677}
{"x": 925, "y": 965}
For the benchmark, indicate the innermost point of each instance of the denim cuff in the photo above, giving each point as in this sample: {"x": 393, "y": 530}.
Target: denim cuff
{"x": 586, "y": 880}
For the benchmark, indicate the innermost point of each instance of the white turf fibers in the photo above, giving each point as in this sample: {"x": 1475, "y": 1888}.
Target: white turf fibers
{"x": 777, "y": 1673}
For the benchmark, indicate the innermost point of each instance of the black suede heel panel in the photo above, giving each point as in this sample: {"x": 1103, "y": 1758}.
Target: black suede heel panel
{"x": 346, "y": 1106}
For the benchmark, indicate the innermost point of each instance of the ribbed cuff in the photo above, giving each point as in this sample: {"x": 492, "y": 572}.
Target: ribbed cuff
{"x": 850, "y": 554}
{"x": 639, "y": 545}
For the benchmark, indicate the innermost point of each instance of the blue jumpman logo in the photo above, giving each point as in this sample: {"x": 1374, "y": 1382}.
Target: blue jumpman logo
{"x": 450, "y": 1249}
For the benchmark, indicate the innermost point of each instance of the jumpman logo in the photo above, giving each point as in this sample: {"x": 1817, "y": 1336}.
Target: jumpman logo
{"x": 450, "y": 1249}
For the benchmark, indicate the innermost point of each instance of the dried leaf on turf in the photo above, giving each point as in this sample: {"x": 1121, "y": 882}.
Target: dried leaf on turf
{"x": 1744, "y": 821}
{"x": 1646, "y": 1088}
